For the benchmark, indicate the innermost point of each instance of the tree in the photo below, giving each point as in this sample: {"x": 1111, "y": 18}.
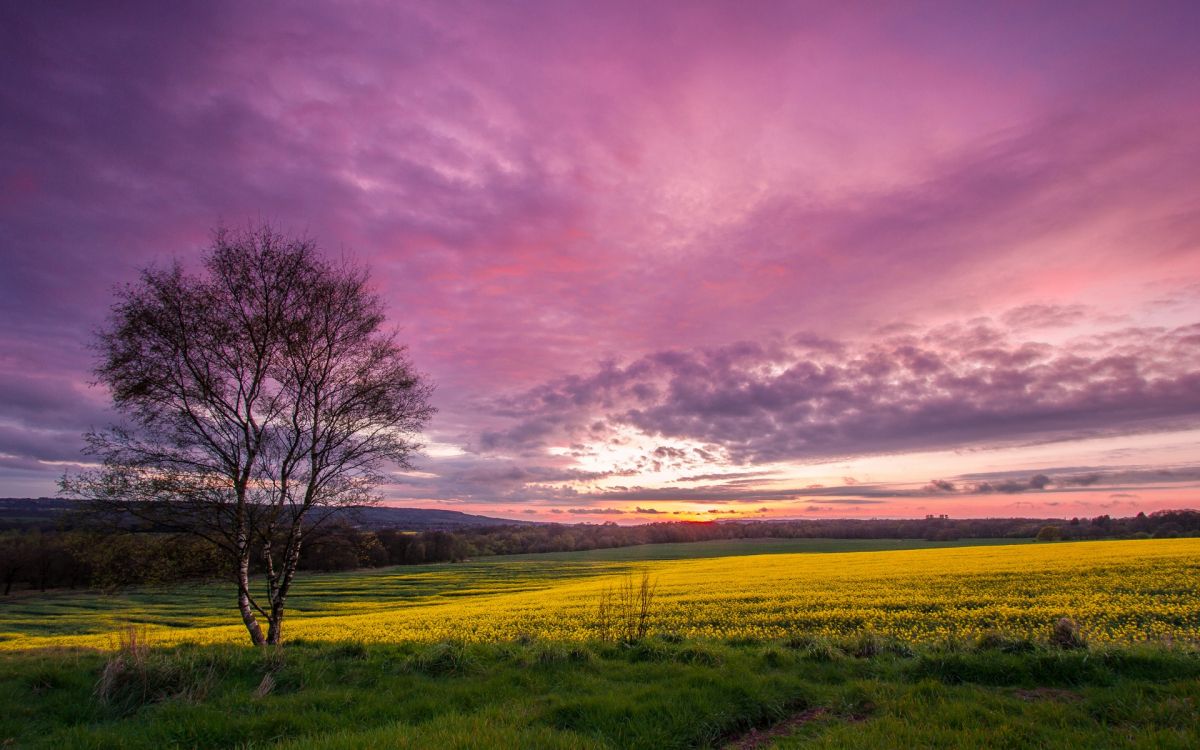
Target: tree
{"x": 258, "y": 395}
{"x": 1049, "y": 534}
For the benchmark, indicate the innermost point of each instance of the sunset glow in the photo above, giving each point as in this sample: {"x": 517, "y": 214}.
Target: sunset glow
{"x": 664, "y": 261}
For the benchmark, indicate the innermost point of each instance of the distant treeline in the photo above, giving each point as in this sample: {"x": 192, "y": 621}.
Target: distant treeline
{"x": 39, "y": 558}
{"x": 449, "y": 546}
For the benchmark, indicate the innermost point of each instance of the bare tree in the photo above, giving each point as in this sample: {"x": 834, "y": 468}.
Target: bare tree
{"x": 259, "y": 394}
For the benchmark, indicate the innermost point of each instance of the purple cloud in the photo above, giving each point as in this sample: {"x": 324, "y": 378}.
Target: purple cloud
{"x": 948, "y": 387}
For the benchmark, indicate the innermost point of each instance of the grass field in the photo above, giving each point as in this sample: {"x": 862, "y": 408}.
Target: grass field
{"x": 932, "y": 646}
{"x": 656, "y": 694}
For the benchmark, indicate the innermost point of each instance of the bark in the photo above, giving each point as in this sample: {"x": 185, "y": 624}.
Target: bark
{"x": 290, "y": 563}
{"x": 275, "y": 625}
{"x": 244, "y": 602}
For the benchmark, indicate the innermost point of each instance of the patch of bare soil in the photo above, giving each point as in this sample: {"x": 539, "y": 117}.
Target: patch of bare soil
{"x": 1048, "y": 694}
{"x": 757, "y": 738}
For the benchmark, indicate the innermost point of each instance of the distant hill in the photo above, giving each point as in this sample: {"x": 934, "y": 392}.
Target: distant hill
{"x": 28, "y": 511}
{"x": 421, "y": 519}
{"x": 45, "y": 512}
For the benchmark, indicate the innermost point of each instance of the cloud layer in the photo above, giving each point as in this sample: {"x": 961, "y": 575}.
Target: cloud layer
{"x": 801, "y": 400}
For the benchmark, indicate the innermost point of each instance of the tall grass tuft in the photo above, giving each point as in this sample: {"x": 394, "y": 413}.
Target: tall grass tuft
{"x": 1067, "y": 635}
{"x": 623, "y": 613}
{"x": 444, "y": 659}
{"x": 137, "y": 675}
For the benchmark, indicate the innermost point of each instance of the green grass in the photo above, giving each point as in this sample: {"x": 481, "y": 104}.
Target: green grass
{"x": 82, "y": 612}
{"x": 316, "y": 594}
{"x": 656, "y": 694}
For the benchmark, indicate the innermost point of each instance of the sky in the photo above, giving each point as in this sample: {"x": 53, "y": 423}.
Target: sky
{"x": 663, "y": 261}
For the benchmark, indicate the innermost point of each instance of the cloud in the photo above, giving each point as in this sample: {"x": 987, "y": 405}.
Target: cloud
{"x": 850, "y": 501}
{"x": 725, "y": 476}
{"x": 963, "y": 384}
{"x": 1064, "y": 479}
{"x": 1044, "y": 316}
{"x": 1011, "y": 486}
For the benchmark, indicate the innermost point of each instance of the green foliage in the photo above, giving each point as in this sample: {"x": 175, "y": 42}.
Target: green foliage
{"x": 1049, "y": 534}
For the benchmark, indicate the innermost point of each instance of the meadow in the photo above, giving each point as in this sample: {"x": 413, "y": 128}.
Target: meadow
{"x": 748, "y": 645}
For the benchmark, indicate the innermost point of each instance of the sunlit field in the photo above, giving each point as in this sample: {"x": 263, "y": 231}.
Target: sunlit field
{"x": 1118, "y": 592}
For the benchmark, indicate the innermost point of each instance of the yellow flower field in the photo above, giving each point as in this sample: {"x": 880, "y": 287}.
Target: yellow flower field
{"x": 1119, "y": 591}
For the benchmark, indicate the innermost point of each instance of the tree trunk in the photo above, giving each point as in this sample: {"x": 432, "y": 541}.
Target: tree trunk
{"x": 275, "y": 625}
{"x": 290, "y": 563}
{"x": 252, "y": 626}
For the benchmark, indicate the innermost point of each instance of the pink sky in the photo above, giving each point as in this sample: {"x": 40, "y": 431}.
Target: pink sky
{"x": 697, "y": 259}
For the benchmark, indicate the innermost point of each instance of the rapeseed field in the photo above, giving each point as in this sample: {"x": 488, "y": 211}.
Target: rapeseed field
{"x": 1118, "y": 592}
